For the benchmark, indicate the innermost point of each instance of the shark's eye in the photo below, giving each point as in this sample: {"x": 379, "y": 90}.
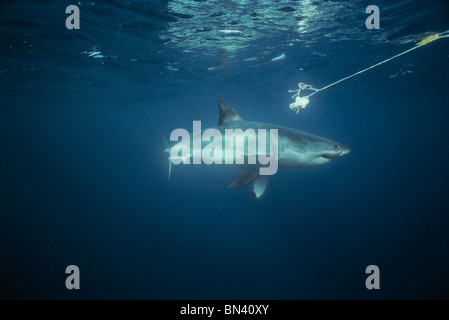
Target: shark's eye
{"x": 336, "y": 146}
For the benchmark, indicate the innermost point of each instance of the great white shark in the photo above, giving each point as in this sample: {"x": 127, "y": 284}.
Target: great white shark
{"x": 296, "y": 149}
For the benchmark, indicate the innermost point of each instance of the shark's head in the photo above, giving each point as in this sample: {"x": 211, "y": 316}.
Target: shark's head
{"x": 302, "y": 149}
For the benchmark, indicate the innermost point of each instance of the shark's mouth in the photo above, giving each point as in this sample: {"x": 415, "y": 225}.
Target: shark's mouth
{"x": 331, "y": 156}
{"x": 323, "y": 158}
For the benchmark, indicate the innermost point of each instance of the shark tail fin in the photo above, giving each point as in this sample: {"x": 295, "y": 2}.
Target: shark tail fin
{"x": 165, "y": 141}
{"x": 169, "y": 169}
{"x": 169, "y": 162}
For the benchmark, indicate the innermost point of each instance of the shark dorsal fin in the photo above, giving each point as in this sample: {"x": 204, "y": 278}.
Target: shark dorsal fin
{"x": 227, "y": 114}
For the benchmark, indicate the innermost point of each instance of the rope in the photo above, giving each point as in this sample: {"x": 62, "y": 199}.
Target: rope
{"x": 301, "y": 102}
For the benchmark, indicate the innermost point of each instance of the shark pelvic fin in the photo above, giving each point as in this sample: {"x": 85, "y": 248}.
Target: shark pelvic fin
{"x": 260, "y": 185}
{"x": 227, "y": 114}
{"x": 246, "y": 175}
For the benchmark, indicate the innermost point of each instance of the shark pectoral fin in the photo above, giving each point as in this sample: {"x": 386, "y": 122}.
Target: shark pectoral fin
{"x": 260, "y": 185}
{"x": 246, "y": 175}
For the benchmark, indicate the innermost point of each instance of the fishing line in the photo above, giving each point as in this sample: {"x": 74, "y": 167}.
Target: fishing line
{"x": 301, "y": 102}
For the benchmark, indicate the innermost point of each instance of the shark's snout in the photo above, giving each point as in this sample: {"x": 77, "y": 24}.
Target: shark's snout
{"x": 337, "y": 151}
{"x": 345, "y": 150}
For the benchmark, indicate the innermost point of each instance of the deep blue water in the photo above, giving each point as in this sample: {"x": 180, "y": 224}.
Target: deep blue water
{"x": 83, "y": 114}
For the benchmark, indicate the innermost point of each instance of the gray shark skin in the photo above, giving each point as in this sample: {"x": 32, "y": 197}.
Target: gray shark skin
{"x": 296, "y": 149}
